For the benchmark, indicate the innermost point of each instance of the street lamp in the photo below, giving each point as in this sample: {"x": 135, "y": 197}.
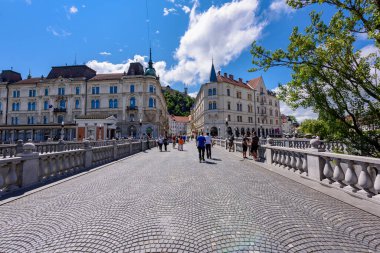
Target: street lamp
{"x": 140, "y": 123}
{"x": 226, "y": 127}
{"x": 62, "y": 130}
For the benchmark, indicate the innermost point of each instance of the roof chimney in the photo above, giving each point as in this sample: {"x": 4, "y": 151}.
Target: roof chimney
{"x": 240, "y": 80}
{"x": 219, "y": 73}
{"x": 225, "y": 74}
{"x": 231, "y": 77}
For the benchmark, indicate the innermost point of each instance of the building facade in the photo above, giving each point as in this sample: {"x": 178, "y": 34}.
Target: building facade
{"x": 129, "y": 105}
{"x": 178, "y": 124}
{"x": 226, "y": 106}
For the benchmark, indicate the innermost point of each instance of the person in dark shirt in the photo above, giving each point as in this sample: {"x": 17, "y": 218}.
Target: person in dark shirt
{"x": 254, "y": 145}
{"x": 201, "y": 145}
{"x": 245, "y": 146}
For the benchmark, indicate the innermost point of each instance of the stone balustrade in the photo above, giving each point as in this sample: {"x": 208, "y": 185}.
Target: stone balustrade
{"x": 357, "y": 175}
{"x": 30, "y": 166}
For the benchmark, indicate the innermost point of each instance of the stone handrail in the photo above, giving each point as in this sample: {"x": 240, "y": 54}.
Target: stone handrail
{"x": 30, "y": 168}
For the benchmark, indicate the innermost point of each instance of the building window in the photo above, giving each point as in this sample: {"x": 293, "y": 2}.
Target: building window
{"x": 229, "y": 117}
{"x": 31, "y": 106}
{"x": 276, "y": 113}
{"x": 275, "y": 103}
{"x": 271, "y": 121}
{"x": 258, "y": 120}
{"x": 30, "y": 120}
{"x": 16, "y": 107}
{"x": 32, "y": 93}
{"x": 270, "y": 112}
{"x": 14, "y": 120}
{"x": 238, "y": 94}
{"x": 152, "y": 89}
{"x": 250, "y": 120}
{"x": 95, "y": 104}
{"x": 228, "y": 92}
{"x": 45, "y": 120}
{"x": 214, "y": 105}
{"x": 46, "y": 92}
{"x": 152, "y": 103}
{"x": 210, "y": 105}
{"x": 131, "y": 117}
{"x": 113, "y": 103}
{"x": 77, "y": 104}
{"x": 214, "y": 91}
{"x": 239, "y": 107}
{"x": 16, "y": 93}
{"x": 113, "y": 89}
{"x": 132, "y": 88}
{"x": 276, "y": 121}
{"x": 210, "y": 92}
{"x": 77, "y": 90}
{"x": 1, "y": 106}
{"x": 239, "y": 118}
{"x": 60, "y": 119}
{"x": 132, "y": 102}
{"x": 250, "y": 97}
{"x": 46, "y": 105}
{"x": 228, "y": 105}
{"x": 95, "y": 90}
{"x": 61, "y": 91}
{"x": 62, "y": 104}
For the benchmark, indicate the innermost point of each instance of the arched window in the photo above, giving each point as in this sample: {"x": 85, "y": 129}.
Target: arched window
{"x": 132, "y": 102}
{"x": 152, "y": 89}
{"x": 214, "y": 91}
{"x": 151, "y": 102}
{"x": 132, "y": 88}
{"x": 115, "y": 103}
{"x": 210, "y": 92}
{"x": 276, "y": 113}
{"x": 97, "y": 103}
{"x": 214, "y": 105}
{"x": 210, "y": 105}
{"x": 111, "y": 103}
{"x": 92, "y": 104}
{"x": 60, "y": 119}
{"x": 77, "y": 104}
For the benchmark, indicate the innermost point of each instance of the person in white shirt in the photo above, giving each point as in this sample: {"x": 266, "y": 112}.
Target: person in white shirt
{"x": 208, "y": 145}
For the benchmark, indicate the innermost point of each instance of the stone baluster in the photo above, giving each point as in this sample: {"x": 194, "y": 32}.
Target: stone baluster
{"x": 44, "y": 167}
{"x": 61, "y": 164}
{"x": 327, "y": 170}
{"x": 338, "y": 174}
{"x": 304, "y": 165}
{"x": 365, "y": 180}
{"x": 11, "y": 178}
{"x": 376, "y": 184}
{"x": 275, "y": 156}
{"x": 293, "y": 161}
{"x": 298, "y": 162}
{"x": 350, "y": 177}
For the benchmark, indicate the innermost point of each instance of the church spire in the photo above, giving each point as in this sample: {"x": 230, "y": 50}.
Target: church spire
{"x": 150, "y": 71}
{"x": 213, "y": 78}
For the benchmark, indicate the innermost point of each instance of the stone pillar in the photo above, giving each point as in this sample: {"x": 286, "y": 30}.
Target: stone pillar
{"x": 269, "y": 151}
{"x": 315, "y": 162}
{"x": 87, "y": 154}
{"x": 30, "y": 165}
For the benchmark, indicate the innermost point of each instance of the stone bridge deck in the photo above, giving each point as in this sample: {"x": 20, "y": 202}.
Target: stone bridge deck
{"x": 169, "y": 202}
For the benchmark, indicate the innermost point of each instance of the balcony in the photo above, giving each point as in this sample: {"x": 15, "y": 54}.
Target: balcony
{"x": 132, "y": 108}
{"x": 59, "y": 110}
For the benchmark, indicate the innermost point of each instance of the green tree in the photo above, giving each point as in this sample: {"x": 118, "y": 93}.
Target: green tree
{"x": 316, "y": 127}
{"x": 329, "y": 74}
{"x": 178, "y": 103}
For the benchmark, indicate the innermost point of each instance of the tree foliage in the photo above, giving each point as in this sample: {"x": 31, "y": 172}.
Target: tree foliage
{"x": 178, "y": 103}
{"x": 329, "y": 74}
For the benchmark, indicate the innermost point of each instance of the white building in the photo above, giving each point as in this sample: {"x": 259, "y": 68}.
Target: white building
{"x": 178, "y": 125}
{"x": 105, "y": 105}
{"x": 227, "y": 106}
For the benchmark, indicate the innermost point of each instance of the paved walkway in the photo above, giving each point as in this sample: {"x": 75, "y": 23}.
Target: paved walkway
{"x": 169, "y": 202}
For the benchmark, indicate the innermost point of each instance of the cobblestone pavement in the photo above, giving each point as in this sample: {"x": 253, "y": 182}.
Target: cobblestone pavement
{"x": 169, "y": 202}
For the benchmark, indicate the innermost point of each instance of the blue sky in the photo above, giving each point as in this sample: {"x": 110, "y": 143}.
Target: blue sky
{"x": 184, "y": 36}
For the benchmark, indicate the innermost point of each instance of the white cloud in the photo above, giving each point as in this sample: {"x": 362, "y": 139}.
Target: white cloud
{"x": 369, "y": 49}
{"x": 105, "y": 53}
{"x": 57, "y": 32}
{"x": 186, "y": 9}
{"x": 168, "y": 11}
{"x": 280, "y": 6}
{"x": 301, "y": 113}
{"x": 73, "y": 9}
{"x": 157, "y": 32}
{"x": 28, "y": 2}
{"x": 193, "y": 94}
{"x": 220, "y": 32}
{"x": 83, "y": 6}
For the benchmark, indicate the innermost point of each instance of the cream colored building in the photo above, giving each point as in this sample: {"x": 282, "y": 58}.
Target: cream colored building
{"x": 105, "y": 105}
{"x": 227, "y": 106}
{"x": 178, "y": 124}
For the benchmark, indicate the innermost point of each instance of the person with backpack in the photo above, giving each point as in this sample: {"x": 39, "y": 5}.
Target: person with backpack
{"x": 166, "y": 143}
{"x": 254, "y": 145}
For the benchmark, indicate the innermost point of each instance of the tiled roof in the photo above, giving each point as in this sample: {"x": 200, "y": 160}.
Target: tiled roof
{"x": 135, "y": 69}
{"x": 113, "y": 76}
{"x": 71, "y": 72}
{"x": 224, "y": 79}
{"x": 254, "y": 82}
{"x": 30, "y": 80}
{"x": 10, "y": 76}
{"x": 180, "y": 119}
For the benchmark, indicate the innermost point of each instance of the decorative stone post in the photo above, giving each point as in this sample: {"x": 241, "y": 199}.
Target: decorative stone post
{"x": 269, "y": 151}
{"x": 31, "y": 167}
{"x": 19, "y": 147}
{"x": 87, "y": 154}
{"x": 315, "y": 162}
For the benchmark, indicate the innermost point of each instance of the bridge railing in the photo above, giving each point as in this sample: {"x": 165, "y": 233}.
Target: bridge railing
{"x": 30, "y": 168}
{"x": 354, "y": 174}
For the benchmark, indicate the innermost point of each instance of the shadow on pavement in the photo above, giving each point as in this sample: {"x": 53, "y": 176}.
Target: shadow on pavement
{"x": 208, "y": 162}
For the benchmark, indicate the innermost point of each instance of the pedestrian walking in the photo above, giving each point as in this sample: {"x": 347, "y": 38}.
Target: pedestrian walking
{"x": 201, "y": 143}
{"x": 245, "y": 146}
{"x": 181, "y": 141}
{"x": 174, "y": 139}
{"x": 254, "y": 145}
{"x": 160, "y": 142}
{"x": 166, "y": 143}
{"x": 231, "y": 143}
{"x": 208, "y": 145}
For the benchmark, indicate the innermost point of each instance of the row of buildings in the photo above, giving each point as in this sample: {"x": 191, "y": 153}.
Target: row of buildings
{"x": 74, "y": 102}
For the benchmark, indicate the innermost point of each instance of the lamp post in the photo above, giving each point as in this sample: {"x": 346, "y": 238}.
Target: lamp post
{"x": 62, "y": 130}
{"x": 140, "y": 123}
{"x": 226, "y": 127}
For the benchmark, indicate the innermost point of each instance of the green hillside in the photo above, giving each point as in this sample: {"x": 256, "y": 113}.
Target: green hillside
{"x": 178, "y": 103}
